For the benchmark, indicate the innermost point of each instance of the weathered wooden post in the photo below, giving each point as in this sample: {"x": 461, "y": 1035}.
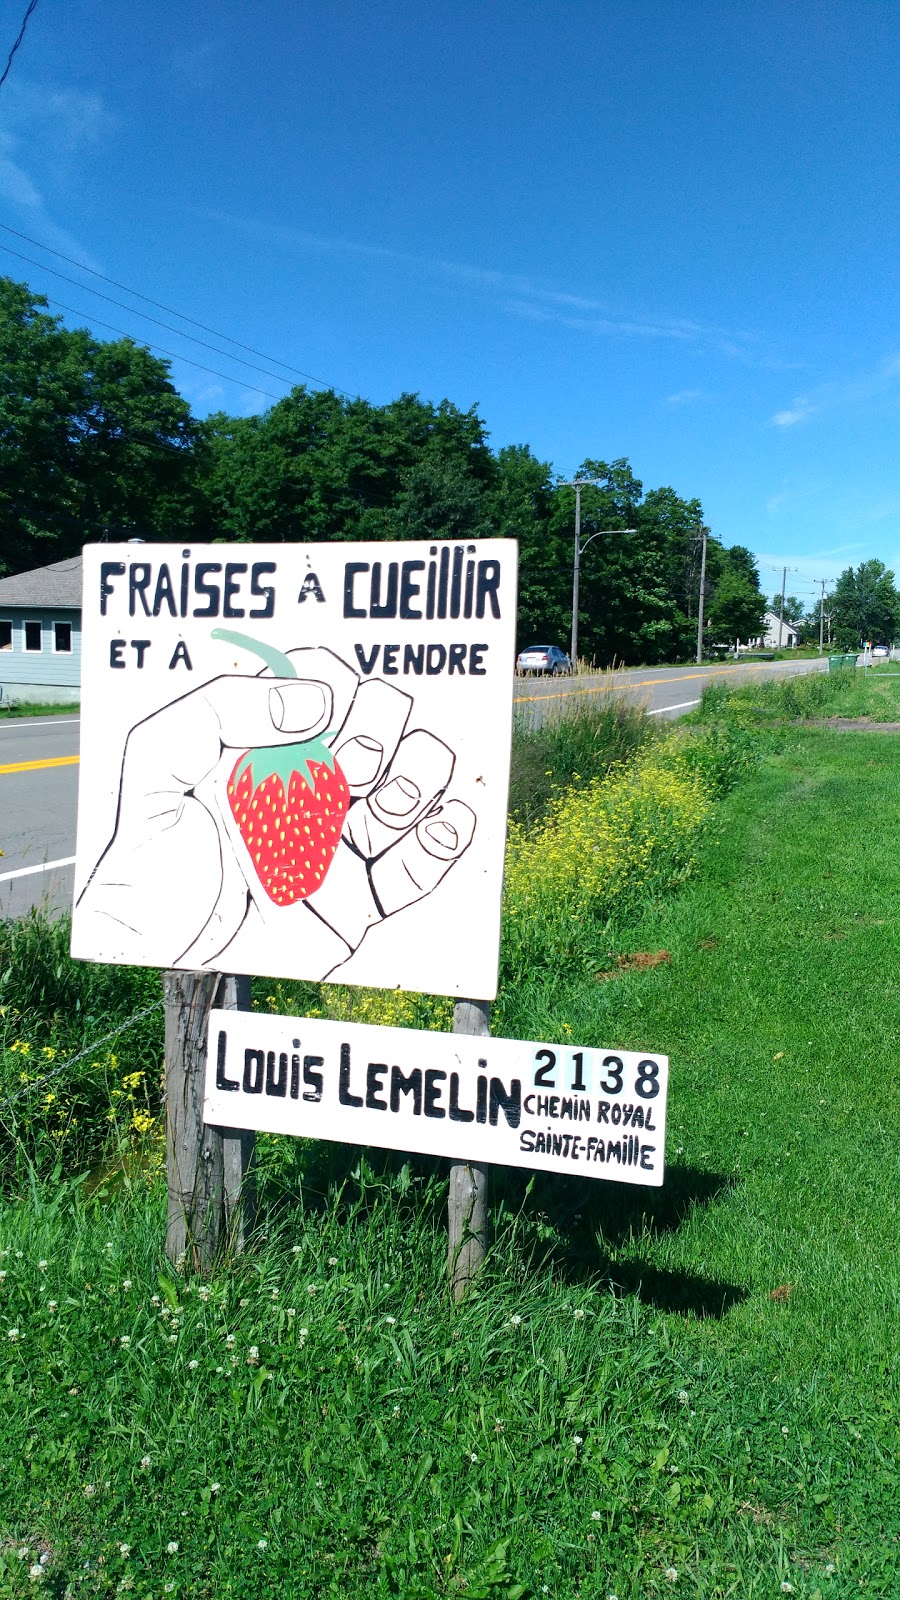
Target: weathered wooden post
{"x": 210, "y": 1185}
{"x": 467, "y": 1202}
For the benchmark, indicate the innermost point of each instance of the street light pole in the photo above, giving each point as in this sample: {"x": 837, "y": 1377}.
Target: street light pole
{"x": 578, "y": 484}
{"x": 700, "y": 607}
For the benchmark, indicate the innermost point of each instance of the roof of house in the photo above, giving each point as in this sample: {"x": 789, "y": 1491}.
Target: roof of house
{"x": 56, "y": 585}
{"x": 772, "y": 622}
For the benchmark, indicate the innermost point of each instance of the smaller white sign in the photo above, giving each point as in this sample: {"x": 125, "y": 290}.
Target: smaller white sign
{"x": 552, "y": 1108}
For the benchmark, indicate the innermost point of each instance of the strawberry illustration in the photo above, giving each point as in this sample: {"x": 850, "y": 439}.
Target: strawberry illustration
{"x": 289, "y": 801}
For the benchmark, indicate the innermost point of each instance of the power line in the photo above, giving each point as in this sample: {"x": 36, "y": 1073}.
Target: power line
{"x": 172, "y": 311}
{"x": 173, "y": 355}
{"x": 15, "y": 47}
{"x": 276, "y": 376}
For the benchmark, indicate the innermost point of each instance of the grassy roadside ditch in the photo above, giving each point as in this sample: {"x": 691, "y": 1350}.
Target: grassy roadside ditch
{"x": 680, "y": 1391}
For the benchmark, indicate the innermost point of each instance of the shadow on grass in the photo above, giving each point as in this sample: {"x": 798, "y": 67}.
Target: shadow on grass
{"x": 572, "y": 1227}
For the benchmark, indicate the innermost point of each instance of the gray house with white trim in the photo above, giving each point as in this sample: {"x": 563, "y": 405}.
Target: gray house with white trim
{"x": 40, "y": 634}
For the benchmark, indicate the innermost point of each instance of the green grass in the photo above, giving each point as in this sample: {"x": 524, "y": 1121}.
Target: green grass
{"x": 24, "y": 708}
{"x": 743, "y": 1441}
{"x": 850, "y": 693}
{"x": 576, "y": 741}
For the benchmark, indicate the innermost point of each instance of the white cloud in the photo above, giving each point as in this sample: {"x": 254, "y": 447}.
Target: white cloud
{"x": 521, "y": 295}
{"x": 849, "y": 392}
{"x": 686, "y": 397}
{"x": 44, "y": 132}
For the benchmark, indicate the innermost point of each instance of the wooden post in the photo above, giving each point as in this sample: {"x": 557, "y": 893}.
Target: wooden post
{"x": 210, "y": 1199}
{"x": 467, "y": 1200}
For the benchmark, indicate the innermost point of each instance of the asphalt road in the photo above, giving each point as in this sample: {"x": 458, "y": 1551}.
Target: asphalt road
{"x": 39, "y": 767}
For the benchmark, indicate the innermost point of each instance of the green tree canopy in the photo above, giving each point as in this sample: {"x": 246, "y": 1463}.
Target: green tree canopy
{"x": 866, "y": 605}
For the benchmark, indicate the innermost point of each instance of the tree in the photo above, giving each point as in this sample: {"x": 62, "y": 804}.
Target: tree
{"x": 737, "y": 608}
{"x": 95, "y": 441}
{"x": 793, "y": 609}
{"x": 866, "y": 605}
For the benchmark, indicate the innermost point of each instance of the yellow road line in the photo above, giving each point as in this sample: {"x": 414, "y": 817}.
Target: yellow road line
{"x": 32, "y": 766}
{"x": 642, "y": 683}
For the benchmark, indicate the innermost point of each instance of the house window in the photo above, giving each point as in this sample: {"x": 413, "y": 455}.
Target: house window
{"x": 62, "y": 638}
{"x": 33, "y": 639}
{"x": 5, "y": 635}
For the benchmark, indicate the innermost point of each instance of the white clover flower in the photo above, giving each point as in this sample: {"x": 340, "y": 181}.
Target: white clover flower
{"x": 13, "y": 1335}
{"x": 332, "y": 1261}
{"x": 109, "y": 1244}
{"x": 830, "y": 1569}
{"x": 73, "y": 1390}
{"x": 204, "y": 1292}
{"x": 787, "y": 1588}
{"x": 683, "y": 1397}
{"x": 18, "y": 1255}
{"x": 193, "y": 1365}
{"x": 516, "y": 1321}
{"x": 214, "y": 1488}
{"x": 89, "y": 1489}
{"x": 24, "y": 1552}
{"x": 168, "y": 1587}
{"x": 262, "y": 1544}
{"x": 52, "y": 1305}
{"x": 473, "y": 1455}
{"x": 672, "y": 1574}
{"x": 235, "y": 1360}
{"x": 230, "y": 1338}
{"x": 220, "y": 1369}
{"x": 126, "y": 1283}
{"x": 291, "y": 1311}
{"x": 578, "y": 1314}
{"x": 155, "y": 1300}
{"x": 243, "y": 1303}
{"x": 173, "y": 1338}
{"x": 596, "y": 1516}
{"x": 43, "y": 1265}
{"x": 253, "y": 1356}
{"x": 172, "y": 1547}
{"x": 311, "y": 1288}
{"x": 785, "y": 1431}
{"x": 295, "y": 1249}
{"x": 396, "y": 1411}
{"x": 124, "y": 1550}
{"x": 390, "y": 1321}
{"x": 275, "y": 1293}
{"x": 577, "y": 1440}
{"x": 35, "y": 1573}
{"x": 2, "y": 1275}
{"x": 145, "y": 1463}
{"x": 125, "y": 1340}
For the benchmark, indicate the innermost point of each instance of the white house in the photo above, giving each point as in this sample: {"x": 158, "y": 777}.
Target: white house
{"x": 769, "y": 639}
{"x": 40, "y": 634}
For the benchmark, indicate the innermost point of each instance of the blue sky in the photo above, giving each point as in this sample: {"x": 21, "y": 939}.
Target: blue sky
{"x": 663, "y": 230}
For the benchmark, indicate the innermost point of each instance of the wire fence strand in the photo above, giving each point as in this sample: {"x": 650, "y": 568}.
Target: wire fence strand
{"x": 121, "y": 1027}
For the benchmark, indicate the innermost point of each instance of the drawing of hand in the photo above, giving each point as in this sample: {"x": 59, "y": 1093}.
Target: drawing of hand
{"x": 178, "y": 878}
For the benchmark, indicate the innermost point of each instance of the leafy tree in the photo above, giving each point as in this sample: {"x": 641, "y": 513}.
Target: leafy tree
{"x": 737, "y": 608}
{"x": 94, "y": 439}
{"x": 866, "y": 605}
{"x": 793, "y": 608}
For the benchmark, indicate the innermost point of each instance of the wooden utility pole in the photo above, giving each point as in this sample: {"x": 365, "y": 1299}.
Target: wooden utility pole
{"x": 700, "y": 607}
{"x": 467, "y": 1202}
{"x": 210, "y": 1185}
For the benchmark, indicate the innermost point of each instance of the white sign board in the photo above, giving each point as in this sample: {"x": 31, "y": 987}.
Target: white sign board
{"x": 295, "y": 760}
{"x": 551, "y": 1108}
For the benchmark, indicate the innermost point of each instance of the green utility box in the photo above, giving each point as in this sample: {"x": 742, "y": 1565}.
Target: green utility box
{"x": 835, "y": 663}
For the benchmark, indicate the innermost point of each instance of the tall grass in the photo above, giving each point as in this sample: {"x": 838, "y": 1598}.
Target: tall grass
{"x": 573, "y": 745}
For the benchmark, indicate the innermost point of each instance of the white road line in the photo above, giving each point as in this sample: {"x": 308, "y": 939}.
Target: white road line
{"x": 682, "y": 704}
{"x": 28, "y": 872}
{"x": 57, "y": 722}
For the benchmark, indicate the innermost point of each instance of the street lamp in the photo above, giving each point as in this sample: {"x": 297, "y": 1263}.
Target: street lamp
{"x": 578, "y": 484}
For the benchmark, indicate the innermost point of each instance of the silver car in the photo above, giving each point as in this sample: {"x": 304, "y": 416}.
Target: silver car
{"x": 543, "y": 658}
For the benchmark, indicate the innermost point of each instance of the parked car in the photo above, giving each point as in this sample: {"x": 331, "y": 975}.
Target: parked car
{"x": 543, "y": 658}
{"x": 881, "y": 652}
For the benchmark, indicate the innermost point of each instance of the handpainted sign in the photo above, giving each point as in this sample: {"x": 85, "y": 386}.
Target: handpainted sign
{"x": 295, "y": 760}
{"x": 552, "y": 1108}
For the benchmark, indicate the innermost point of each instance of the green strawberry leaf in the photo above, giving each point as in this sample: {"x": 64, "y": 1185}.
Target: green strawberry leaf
{"x": 283, "y": 760}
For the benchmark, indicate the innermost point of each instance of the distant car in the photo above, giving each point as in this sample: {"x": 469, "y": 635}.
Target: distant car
{"x": 881, "y": 652}
{"x": 543, "y": 658}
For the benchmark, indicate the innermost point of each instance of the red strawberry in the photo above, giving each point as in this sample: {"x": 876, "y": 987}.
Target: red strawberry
{"x": 289, "y": 801}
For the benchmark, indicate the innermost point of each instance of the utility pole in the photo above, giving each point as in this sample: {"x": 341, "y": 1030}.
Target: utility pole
{"x": 821, "y": 613}
{"x": 578, "y": 484}
{"x": 781, "y": 612}
{"x": 700, "y": 608}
